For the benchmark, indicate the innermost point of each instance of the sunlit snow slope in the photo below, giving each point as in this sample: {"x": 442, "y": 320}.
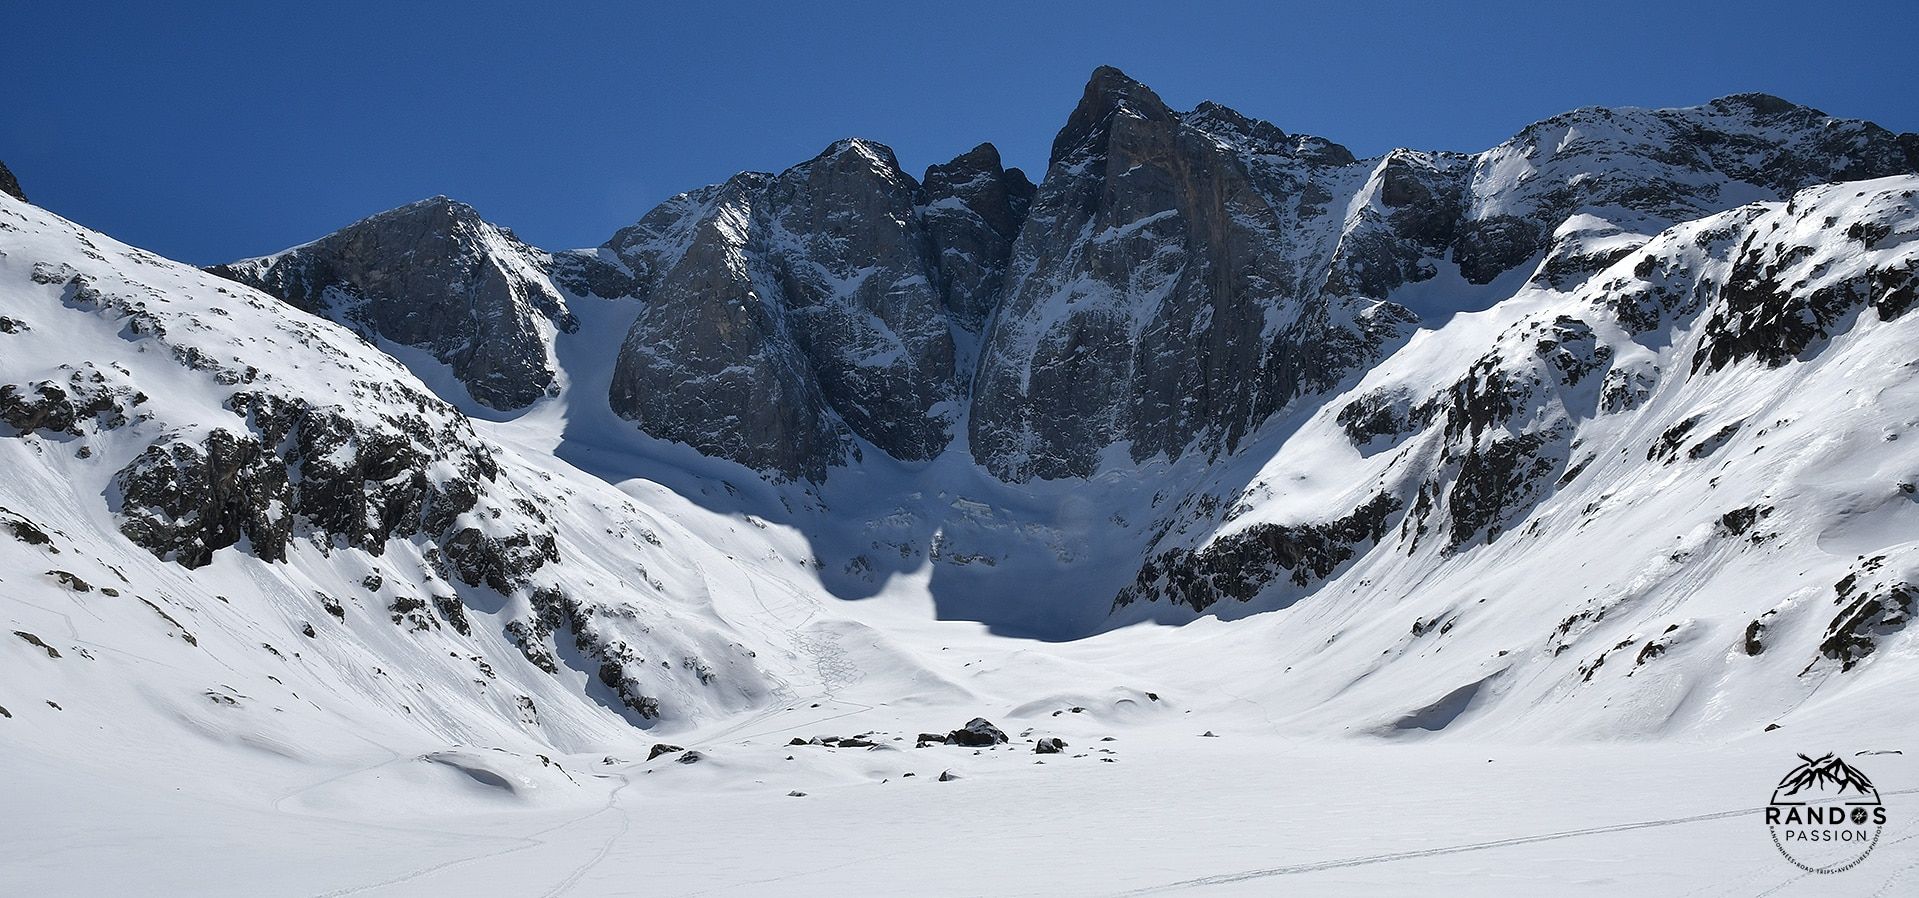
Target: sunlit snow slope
{"x": 1500, "y": 452}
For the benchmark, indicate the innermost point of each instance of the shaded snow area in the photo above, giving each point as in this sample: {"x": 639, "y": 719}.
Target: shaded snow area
{"x": 1545, "y": 597}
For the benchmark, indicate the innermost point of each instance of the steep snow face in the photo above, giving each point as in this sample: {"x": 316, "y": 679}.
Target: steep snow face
{"x": 276, "y": 530}
{"x": 435, "y": 276}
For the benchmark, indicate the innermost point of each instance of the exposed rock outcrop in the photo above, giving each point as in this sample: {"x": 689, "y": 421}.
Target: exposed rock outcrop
{"x": 1183, "y": 276}
{"x": 972, "y": 208}
{"x": 435, "y": 276}
{"x": 1155, "y": 295}
{"x": 977, "y": 733}
{"x": 788, "y": 314}
{"x": 1241, "y": 564}
{"x": 10, "y": 185}
{"x": 287, "y": 464}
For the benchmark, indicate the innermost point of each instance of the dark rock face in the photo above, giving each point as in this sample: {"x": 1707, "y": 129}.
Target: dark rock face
{"x": 977, "y": 733}
{"x": 1239, "y": 565}
{"x": 1182, "y": 276}
{"x": 10, "y": 185}
{"x": 87, "y": 397}
{"x": 358, "y": 480}
{"x": 1771, "y": 313}
{"x": 1414, "y": 219}
{"x": 185, "y": 500}
{"x": 1571, "y": 349}
{"x": 711, "y": 364}
{"x": 1153, "y": 295}
{"x": 435, "y": 276}
{"x": 789, "y": 313}
{"x": 972, "y": 208}
{"x": 1871, "y": 609}
{"x": 1386, "y": 414}
{"x": 592, "y": 273}
{"x": 850, "y": 258}
{"x": 1507, "y": 474}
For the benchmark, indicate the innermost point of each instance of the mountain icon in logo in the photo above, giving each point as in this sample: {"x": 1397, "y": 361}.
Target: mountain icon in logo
{"x": 1825, "y": 815}
{"x": 1825, "y": 778}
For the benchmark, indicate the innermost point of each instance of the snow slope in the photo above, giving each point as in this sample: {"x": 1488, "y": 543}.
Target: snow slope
{"x": 426, "y": 616}
{"x": 1547, "y": 597}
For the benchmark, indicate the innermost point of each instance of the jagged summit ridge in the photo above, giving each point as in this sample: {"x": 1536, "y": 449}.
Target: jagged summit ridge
{"x": 433, "y": 275}
{"x": 1183, "y": 277}
{"x": 1176, "y": 280}
{"x": 793, "y": 313}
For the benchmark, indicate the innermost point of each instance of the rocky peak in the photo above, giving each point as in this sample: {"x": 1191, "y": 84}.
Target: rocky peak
{"x": 792, "y": 312}
{"x": 854, "y": 155}
{"x": 1211, "y": 116}
{"x": 1252, "y": 135}
{"x": 436, "y": 276}
{"x": 972, "y": 208}
{"x": 1761, "y": 104}
{"x": 979, "y": 179}
{"x": 1108, "y": 93}
{"x": 650, "y": 246}
{"x": 1637, "y": 171}
{"x": 711, "y": 362}
{"x": 439, "y": 212}
{"x": 10, "y": 185}
{"x": 1149, "y": 290}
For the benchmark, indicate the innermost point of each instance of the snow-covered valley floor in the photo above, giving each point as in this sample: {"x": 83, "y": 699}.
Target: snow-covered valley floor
{"x": 1161, "y": 808}
{"x": 1248, "y": 812}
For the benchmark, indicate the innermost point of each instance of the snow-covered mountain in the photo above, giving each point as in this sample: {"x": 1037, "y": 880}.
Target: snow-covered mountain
{"x": 1605, "y": 432}
{"x": 218, "y": 483}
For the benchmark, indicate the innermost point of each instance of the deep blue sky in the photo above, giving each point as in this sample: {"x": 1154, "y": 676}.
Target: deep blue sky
{"x": 210, "y": 131}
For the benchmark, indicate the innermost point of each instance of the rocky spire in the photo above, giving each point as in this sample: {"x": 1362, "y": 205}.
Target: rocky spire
{"x": 1109, "y": 92}
{"x": 436, "y": 276}
{"x": 973, "y": 208}
{"x": 9, "y": 185}
{"x": 804, "y": 309}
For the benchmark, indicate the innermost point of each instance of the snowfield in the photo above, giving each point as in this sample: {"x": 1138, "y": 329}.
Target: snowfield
{"x": 1547, "y": 600}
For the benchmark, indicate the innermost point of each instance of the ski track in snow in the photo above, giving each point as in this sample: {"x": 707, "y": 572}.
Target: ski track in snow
{"x": 626, "y": 826}
{"x": 1316, "y": 866}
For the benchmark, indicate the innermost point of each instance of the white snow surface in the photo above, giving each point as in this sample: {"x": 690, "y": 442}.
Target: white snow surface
{"x": 1487, "y": 721}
